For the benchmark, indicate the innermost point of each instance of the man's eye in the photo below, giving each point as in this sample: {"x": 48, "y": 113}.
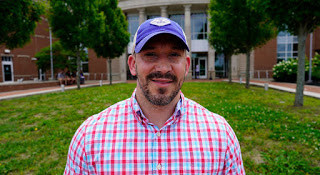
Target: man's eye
{"x": 175, "y": 54}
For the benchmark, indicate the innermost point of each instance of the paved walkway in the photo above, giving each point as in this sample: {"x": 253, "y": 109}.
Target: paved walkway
{"x": 310, "y": 90}
{"x": 28, "y": 92}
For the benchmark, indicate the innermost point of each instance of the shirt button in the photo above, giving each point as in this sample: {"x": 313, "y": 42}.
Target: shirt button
{"x": 158, "y": 134}
{"x": 159, "y": 166}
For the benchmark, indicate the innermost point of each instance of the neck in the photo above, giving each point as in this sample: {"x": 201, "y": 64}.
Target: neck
{"x": 157, "y": 115}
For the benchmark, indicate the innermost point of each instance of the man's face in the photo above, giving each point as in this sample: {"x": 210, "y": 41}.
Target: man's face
{"x": 160, "y": 67}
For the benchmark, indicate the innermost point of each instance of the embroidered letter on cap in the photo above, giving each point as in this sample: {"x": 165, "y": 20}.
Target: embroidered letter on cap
{"x": 160, "y": 22}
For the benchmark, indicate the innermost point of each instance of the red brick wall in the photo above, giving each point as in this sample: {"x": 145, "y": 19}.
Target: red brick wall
{"x": 24, "y": 86}
{"x": 265, "y": 57}
{"x": 316, "y": 38}
{"x": 315, "y": 43}
{"x": 23, "y": 65}
{"x": 97, "y": 66}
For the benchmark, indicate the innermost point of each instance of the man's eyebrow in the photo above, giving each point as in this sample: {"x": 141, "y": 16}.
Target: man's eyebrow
{"x": 177, "y": 48}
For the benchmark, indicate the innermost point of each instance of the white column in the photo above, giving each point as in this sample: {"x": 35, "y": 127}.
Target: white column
{"x": 187, "y": 30}
{"x": 211, "y": 55}
{"x": 142, "y": 17}
{"x": 123, "y": 67}
{"x": 164, "y": 11}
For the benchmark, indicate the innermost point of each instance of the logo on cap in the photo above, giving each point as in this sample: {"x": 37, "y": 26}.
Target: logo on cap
{"x": 160, "y": 22}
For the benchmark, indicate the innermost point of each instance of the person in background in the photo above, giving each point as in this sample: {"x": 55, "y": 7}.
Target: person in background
{"x": 197, "y": 71}
{"x": 73, "y": 77}
{"x": 61, "y": 77}
{"x": 68, "y": 76}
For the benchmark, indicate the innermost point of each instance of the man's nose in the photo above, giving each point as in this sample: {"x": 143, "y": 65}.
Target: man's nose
{"x": 163, "y": 64}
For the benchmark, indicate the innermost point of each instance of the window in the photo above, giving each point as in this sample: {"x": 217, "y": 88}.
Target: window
{"x": 6, "y": 58}
{"x": 178, "y": 19}
{"x": 84, "y": 63}
{"x": 84, "y": 66}
{"x": 199, "y": 26}
{"x": 287, "y": 46}
{"x": 133, "y": 24}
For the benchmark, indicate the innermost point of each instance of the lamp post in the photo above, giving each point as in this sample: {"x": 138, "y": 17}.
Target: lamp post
{"x": 51, "y": 57}
{"x": 310, "y": 59}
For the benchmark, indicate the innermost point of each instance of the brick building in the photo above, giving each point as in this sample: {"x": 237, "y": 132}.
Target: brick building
{"x": 20, "y": 63}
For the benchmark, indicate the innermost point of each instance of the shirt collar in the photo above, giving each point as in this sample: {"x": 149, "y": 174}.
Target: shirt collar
{"x": 144, "y": 121}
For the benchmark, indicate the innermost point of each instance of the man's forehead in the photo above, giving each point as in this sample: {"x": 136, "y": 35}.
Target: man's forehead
{"x": 165, "y": 39}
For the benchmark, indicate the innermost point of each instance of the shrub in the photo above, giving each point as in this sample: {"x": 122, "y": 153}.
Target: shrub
{"x": 286, "y": 71}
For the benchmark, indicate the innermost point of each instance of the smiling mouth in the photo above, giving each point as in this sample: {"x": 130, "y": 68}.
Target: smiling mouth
{"x": 162, "y": 81}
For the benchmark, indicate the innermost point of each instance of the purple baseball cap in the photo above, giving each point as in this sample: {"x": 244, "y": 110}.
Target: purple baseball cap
{"x": 156, "y": 26}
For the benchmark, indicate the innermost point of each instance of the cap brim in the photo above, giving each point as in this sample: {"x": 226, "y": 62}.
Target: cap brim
{"x": 140, "y": 45}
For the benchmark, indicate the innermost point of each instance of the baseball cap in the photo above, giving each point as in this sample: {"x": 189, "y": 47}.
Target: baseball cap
{"x": 155, "y": 26}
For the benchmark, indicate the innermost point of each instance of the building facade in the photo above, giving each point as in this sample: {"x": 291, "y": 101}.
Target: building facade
{"x": 20, "y": 63}
{"x": 193, "y": 18}
{"x": 191, "y": 15}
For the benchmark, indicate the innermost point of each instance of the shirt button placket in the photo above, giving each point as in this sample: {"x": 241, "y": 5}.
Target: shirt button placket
{"x": 159, "y": 166}
{"x": 158, "y": 135}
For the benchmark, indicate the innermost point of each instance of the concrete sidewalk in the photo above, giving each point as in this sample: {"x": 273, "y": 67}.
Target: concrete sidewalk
{"x": 310, "y": 90}
{"x": 36, "y": 91}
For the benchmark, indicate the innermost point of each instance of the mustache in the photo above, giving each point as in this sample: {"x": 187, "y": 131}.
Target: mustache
{"x": 167, "y": 75}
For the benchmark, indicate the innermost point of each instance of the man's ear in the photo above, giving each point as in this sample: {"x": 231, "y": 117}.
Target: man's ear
{"x": 132, "y": 65}
{"x": 188, "y": 62}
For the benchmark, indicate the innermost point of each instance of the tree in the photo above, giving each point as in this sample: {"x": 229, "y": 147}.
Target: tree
{"x": 18, "y": 21}
{"x": 299, "y": 17}
{"x": 255, "y": 29}
{"x": 222, "y": 35}
{"x": 77, "y": 23}
{"x": 61, "y": 58}
{"x": 113, "y": 41}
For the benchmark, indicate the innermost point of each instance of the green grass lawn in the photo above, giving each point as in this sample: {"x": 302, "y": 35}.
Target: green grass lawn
{"x": 275, "y": 137}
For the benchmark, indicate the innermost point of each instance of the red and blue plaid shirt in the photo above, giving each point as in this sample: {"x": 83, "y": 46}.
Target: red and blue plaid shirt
{"x": 121, "y": 140}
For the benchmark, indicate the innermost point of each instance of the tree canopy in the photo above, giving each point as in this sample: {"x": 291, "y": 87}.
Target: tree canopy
{"x": 77, "y": 24}
{"x": 61, "y": 58}
{"x": 222, "y": 35}
{"x": 239, "y": 26}
{"x": 299, "y": 17}
{"x": 113, "y": 41}
{"x": 18, "y": 21}
{"x": 255, "y": 30}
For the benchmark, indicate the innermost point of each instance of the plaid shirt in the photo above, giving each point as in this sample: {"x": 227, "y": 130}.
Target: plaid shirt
{"x": 121, "y": 140}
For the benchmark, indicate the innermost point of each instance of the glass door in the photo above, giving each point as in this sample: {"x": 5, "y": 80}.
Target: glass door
{"x": 202, "y": 61}
{"x": 199, "y": 66}
{"x": 7, "y": 72}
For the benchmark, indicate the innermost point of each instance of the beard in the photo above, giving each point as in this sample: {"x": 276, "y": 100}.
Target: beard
{"x": 160, "y": 98}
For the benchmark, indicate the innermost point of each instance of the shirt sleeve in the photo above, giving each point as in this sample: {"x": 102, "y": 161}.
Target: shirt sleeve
{"x": 77, "y": 161}
{"x": 233, "y": 161}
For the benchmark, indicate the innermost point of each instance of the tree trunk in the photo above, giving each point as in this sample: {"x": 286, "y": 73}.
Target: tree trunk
{"x": 78, "y": 69}
{"x": 301, "y": 66}
{"x": 110, "y": 71}
{"x": 248, "y": 70}
{"x": 228, "y": 57}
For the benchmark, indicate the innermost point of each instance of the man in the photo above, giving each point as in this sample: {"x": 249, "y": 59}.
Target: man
{"x": 157, "y": 130}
